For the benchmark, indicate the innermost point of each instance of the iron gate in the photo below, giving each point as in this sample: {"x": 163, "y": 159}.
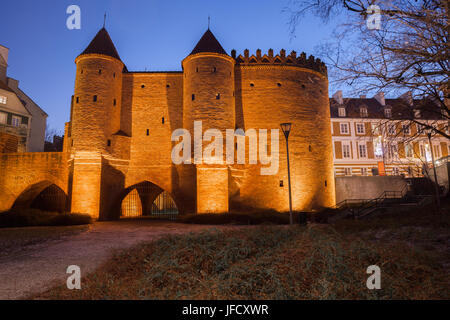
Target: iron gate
{"x": 137, "y": 203}
{"x": 51, "y": 198}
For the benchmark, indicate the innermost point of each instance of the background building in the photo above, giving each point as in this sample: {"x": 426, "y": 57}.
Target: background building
{"x": 376, "y": 136}
{"x": 21, "y": 119}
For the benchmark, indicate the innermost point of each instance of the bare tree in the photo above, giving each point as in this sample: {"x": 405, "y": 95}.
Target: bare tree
{"x": 407, "y": 50}
{"x": 50, "y": 133}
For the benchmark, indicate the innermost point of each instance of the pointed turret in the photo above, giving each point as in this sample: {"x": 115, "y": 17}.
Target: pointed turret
{"x": 208, "y": 43}
{"x": 102, "y": 44}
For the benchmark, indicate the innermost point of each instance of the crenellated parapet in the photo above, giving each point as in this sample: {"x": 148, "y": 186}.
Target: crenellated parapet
{"x": 280, "y": 59}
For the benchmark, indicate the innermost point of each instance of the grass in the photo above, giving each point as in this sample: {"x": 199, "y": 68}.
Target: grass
{"x": 35, "y": 217}
{"x": 253, "y": 218}
{"x": 281, "y": 262}
{"x": 16, "y": 240}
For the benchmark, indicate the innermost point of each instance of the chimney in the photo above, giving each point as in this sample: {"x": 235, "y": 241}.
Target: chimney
{"x": 407, "y": 96}
{"x": 233, "y": 54}
{"x": 12, "y": 83}
{"x": 258, "y": 53}
{"x": 282, "y": 53}
{"x": 363, "y": 96}
{"x": 380, "y": 98}
{"x": 246, "y": 53}
{"x": 271, "y": 53}
{"x": 337, "y": 96}
{"x": 3, "y": 62}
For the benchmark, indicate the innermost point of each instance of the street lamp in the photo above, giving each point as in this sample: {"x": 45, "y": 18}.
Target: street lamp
{"x": 286, "y": 127}
{"x": 438, "y": 200}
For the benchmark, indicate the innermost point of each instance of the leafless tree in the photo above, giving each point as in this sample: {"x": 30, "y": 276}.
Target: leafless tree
{"x": 409, "y": 52}
{"x": 50, "y": 133}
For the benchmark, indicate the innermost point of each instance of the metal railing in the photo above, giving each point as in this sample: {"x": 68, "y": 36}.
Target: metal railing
{"x": 358, "y": 206}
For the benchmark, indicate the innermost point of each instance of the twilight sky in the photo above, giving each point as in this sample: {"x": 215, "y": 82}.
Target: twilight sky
{"x": 148, "y": 34}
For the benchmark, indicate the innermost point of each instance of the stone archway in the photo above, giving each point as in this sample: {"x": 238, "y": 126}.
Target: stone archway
{"x": 146, "y": 199}
{"x": 44, "y": 195}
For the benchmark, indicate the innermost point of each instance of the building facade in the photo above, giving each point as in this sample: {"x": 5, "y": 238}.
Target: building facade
{"x": 22, "y": 121}
{"x": 376, "y": 136}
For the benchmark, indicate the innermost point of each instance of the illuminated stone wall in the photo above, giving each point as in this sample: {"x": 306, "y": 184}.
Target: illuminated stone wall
{"x": 124, "y": 137}
{"x": 31, "y": 173}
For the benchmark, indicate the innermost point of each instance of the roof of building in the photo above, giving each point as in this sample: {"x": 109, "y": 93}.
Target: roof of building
{"x": 102, "y": 44}
{"x": 208, "y": 43}
{"x": 400, "y": 108}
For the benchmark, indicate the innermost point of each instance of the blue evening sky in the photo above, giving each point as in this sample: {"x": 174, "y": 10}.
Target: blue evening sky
{"x": 148, "y": 34}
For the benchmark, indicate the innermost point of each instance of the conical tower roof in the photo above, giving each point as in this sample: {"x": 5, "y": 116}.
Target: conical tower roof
{"x": 208, "y": 43}
{"x": 102, "y": 44}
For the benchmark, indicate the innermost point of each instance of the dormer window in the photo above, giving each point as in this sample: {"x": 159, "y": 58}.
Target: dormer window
{"x": 417, "y": 113}
{"x": 363, "y": 112}
{"x": 3, "y": 99}
{"x": 388, "y": 112}
{"x": 341, "y": 112}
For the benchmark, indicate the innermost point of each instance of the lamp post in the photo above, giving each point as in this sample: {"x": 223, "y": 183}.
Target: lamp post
{"x": 286, "y": 127}
{"x": 436, "y": 186}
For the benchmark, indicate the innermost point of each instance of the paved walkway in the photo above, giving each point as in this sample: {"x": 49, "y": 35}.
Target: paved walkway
{"x": 44, "y": 265}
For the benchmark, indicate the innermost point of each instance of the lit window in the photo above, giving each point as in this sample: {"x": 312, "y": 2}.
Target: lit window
{"x": 362, "y": 151}
{"x": 409, "y": 150}
{"x": 3, "y": 117}
{"x": 388, "y": 112}
{"x": 344, "y": 128}
{"x": 363, "y": 112}
{"x": 437, "y": 151}
{"x": 341, "y": 112}
{"x": 364, "y": 171}
{"x": 348, "y": 171}
{"x": 392, "y": 151}
{"x": 405, "y": 128}
{"x": 391, "y": 129}
{"x": 3, "y": 99}
{"x": 420, "y": 128}
{"x": 15, "y": 121}
{"x": 395, "y": 171}
{"x": 346, "y": 150}
{"x": 218, "y": 96}
{"x": 360, "y": 128}
{"x": 375, "y": 128}
{"x": 422, "y": 151}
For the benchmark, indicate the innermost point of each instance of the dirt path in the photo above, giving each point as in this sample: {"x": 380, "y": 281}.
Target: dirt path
{"x": 44, "y": 265}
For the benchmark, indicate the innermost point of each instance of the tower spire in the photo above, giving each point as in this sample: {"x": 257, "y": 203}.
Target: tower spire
{"x": 104, "y": 20}
{"x": 209, "y": 21}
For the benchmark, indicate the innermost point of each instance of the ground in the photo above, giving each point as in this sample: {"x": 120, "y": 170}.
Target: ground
{"x": 164, "y": 260}
{"x": 35, "y": 258}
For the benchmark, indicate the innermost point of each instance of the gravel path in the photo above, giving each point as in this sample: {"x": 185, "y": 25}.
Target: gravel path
{"x": 44, "y": 265}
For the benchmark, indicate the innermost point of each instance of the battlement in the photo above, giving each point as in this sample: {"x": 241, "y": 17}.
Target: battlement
{"x": 280, "y": 59}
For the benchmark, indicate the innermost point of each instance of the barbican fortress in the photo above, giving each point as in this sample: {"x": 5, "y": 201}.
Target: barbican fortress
{"x": 118, "y": 141}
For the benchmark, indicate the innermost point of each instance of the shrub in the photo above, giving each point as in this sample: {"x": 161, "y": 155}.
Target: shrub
{"x": 33, "y": 217}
